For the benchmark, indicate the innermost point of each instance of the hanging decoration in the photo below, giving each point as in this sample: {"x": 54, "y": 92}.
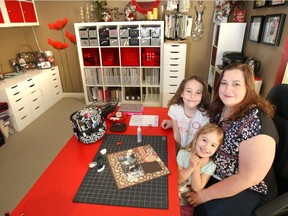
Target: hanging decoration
{"x": 198, "y": 29}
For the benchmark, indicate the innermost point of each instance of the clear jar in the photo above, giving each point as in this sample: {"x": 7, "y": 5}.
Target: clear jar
{"x": 130, "y": 12}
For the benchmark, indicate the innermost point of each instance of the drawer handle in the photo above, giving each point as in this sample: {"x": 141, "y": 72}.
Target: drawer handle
{"x": 173, "y": 85}
{"x": 174, "y": 64}
{"x": 18, "y": 100}
{"x": 173, "y": 71}
{"x": 53, "y": 69}
{"x": 174, "y": 58}
{"x": 32, "y": 85}
{"x": 35, "y": 99}
{"x": 173, "y": 77}
{"x": 54, "y": 79}
{"x": 29, "y": 79}
{"x": 56, "y": 86}
{"x": 57, "y": 93}
{"x": 37, "y": 107}
{"x": 24, "y": 117}
{"x": 175, "y": 45}
{"x": 174, "y": 52}
{"x": 16, "y": 93}
{"x": 33, "y": 91}
{"x": 53, "y": 74}
{"x": 14, "y": 86}
{"x": 21, "y": 109}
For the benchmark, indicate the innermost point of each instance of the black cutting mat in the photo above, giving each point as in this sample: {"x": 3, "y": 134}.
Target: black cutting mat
{"x": 100, "y": 187}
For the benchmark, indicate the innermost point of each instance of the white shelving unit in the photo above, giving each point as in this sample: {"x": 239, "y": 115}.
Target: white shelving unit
{"x": 173, "y": 69}
{"x": 121, "y": 59}
{"x": 226, "y": 37}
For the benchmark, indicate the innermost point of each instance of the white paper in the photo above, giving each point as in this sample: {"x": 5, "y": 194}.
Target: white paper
{"x": 144, "y": 120}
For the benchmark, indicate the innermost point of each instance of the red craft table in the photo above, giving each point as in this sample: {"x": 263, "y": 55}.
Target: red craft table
{"x": 54, "y": 191}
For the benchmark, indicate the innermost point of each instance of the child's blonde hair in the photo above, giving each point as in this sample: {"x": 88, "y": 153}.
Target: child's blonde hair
{"x": 210, "y": 127}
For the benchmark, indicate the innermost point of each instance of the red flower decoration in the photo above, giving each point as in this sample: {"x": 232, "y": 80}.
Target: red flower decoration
{"x": 57, "y": 44}
{"x": 58, "y": 25}
{"x": 72, "y": 38}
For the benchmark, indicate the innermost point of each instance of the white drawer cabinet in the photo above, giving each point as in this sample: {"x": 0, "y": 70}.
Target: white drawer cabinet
{"x": 19, "y": 110}
{"x": 51, "y": 87}
{"x": 174, "y": 69}
{"x": 30, "y": 94}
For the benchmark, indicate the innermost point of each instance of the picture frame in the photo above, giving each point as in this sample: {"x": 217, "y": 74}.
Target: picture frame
{"x": 256, "y": 27}
{"x": 260, "y": 4}
{"x": 273, "y": 3}
{"x": 272, "y": 30}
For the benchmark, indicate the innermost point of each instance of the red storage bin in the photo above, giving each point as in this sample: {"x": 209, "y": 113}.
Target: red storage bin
{"x": 130, "y": 57}
{"x": 91, "y": 56}
{"x": 150, "y": 56}
{"x": 110, "y": 57}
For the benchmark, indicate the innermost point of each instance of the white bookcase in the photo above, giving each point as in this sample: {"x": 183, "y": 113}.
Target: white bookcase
{"x": 226, "y": 37}
{"x": 121, "y": 59}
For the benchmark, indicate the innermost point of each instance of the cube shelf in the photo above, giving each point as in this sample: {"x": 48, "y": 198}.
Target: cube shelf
{"x": 121, "y": 59}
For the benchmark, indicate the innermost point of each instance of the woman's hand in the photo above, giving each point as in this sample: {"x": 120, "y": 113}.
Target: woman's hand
{"x": 194, "y": 198}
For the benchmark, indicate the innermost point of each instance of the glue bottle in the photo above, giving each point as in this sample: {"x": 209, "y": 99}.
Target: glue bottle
{"x": 139, "y": 134}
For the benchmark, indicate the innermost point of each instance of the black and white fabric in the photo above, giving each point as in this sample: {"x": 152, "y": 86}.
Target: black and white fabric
{"x": 88, "y": 125}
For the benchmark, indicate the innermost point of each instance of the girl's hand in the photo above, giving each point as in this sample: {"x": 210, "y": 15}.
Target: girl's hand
{"x": 194, "y": 160}
{"x": 203, "y": 161}
{"x": 166, "y": 124}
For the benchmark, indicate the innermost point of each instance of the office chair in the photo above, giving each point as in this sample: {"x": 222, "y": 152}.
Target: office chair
{"x": 278, "y": 96}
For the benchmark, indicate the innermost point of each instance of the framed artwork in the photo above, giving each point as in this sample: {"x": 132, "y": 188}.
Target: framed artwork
{"x": 259, "y": 4}
{"x": 255, "y": 30}
{"x": 272, "y": 30}
{"x": 273, "y": 3}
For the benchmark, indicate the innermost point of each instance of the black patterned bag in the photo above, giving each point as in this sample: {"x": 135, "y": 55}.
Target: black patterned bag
{"x": 88, "y": 124}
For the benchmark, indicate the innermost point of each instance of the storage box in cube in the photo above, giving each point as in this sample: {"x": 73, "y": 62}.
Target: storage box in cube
{"x": 93, "y": 42}
{"x": 145, "y": 41}
{"x": 83, "y": 33}
{"x": 92, "y": 33}
{"x": 156, "y": 32}
{"x": 155, "y": 41}
{"x": 145, "y": 32}
{"x": 124, "y": 32}
{"x": 113, "y": 33}
{"x": 84, "y": 42}
{"x": 103, "y": 33}
{"x": 124, "y": 42}
{"x": 113, "y": 42}
{"x": 134, "y": 32}
{"x": 134, "y": 42}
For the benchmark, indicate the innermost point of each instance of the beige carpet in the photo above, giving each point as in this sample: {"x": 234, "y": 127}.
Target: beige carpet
{"x": 26, "y": 154}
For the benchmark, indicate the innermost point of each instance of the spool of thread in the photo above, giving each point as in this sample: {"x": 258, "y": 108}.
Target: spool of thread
{"x": 155, "y": 13}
